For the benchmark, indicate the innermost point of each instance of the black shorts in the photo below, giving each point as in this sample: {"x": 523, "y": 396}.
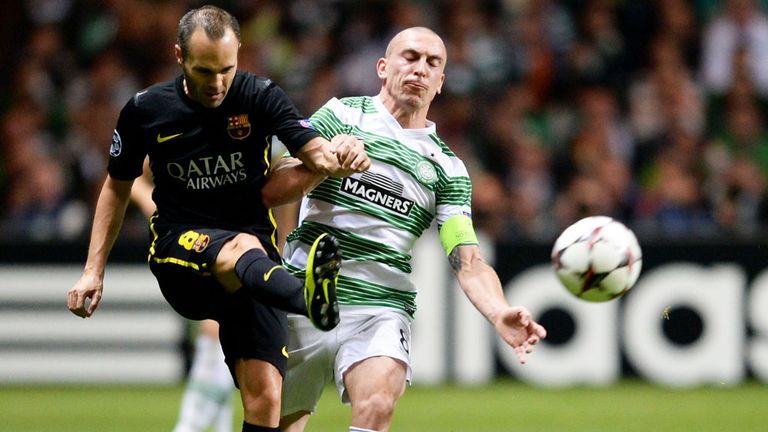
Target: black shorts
{"x": 182, "y": 258}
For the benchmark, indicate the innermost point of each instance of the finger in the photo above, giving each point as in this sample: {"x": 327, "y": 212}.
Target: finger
{"x": 70, "y": 300}
{"x": 79, "y": 312}
{"x": 353, "y": 161}
{"x": 346, "y": 154}
{"x": 336, "y": 142}
{"x": 94, "y": 304}
{"x": 74, "y": 303}
{"x": 520, "y": 354}
{"x": 363, "y": 164}
{"x": 358, "y": 162}
{"x": 346, "y": 159}
{"x": 525, "y": 317}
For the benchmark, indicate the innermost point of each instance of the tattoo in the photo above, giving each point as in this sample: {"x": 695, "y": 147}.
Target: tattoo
{"x": 471, "y": 259}
{"x": 455, "y": 260}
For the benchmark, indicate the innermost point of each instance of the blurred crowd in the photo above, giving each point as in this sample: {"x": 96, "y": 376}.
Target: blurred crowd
{"x": 652, "y": 111}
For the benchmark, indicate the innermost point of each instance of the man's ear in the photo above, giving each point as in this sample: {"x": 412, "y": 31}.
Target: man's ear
{"x": 381, "y": 68}
{"x": 178, "y": 54}
{"x": 440, "y": 86}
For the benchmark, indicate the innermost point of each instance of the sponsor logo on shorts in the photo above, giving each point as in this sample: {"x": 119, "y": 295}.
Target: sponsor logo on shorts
{"x": 195, "y": 241}
{"x": 201, "y": 243}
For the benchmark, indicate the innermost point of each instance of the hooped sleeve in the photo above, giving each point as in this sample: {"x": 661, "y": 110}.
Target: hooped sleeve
{"x": 457, "y": 230}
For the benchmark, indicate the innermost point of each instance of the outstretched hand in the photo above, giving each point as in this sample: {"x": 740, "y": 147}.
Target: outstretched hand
{"x": 518, "y": 329}
{"x": 350, "y": 152}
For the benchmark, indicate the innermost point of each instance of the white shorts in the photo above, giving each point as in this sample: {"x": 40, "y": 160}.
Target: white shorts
{"x": 315, "y": 357}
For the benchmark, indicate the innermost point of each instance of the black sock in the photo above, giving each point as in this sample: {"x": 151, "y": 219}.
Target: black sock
{"x": 280, "y": 289}
{"x": 247, "y": 427}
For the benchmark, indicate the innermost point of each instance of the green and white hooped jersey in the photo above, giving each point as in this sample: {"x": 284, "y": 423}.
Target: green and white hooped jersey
{"x": 378, "y": 215}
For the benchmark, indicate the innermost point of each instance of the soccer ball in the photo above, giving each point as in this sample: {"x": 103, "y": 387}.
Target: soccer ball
{"x": 597, "y": 259}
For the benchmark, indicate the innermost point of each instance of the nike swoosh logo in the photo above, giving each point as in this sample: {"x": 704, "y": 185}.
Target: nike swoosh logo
{"x": 161, "y": 139}
{"x": 269, "y": 273}
{"x": 285, "y": 351}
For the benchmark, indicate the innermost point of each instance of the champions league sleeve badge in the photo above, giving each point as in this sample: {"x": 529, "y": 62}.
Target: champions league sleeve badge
{"x": 117, "y": 145}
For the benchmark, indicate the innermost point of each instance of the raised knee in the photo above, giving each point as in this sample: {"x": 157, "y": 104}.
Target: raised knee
{"x": 228, "y": 256}
{"x": 241, "y": 243}
{"x": 234, "y": 249}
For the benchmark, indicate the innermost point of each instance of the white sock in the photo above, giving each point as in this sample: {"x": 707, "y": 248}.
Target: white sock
{"x": 357, "y": 429}
{"x": 208, "y": 394}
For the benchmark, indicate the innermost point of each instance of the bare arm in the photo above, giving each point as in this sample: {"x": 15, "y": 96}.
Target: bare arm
{"x": 288, "y": 181}
{"x": 292, "y": 178}
{"x": 141, "y": 193}
{"x": 343, "y": 156}
{"x": 482, "y": 286}
{"x": 107, "y": 221}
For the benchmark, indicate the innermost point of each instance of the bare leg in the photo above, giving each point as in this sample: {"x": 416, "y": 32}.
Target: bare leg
{"x": 224, "y": 268}
{"x": 374, "y": 386}
{"x": 260, "y": 386}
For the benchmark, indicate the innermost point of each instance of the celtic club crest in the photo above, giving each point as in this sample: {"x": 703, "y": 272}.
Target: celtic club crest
{"x": 425, "y": 172}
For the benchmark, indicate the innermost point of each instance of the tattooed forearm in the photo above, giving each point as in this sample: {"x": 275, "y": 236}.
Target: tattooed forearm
{"x": 455, "y": 260}
{"x": 465, "y": 258}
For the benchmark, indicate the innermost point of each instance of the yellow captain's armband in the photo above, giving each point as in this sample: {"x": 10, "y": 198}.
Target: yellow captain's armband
{"x": 455, "y": 231}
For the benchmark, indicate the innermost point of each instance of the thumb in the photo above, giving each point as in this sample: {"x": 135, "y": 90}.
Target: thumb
{"x": 94, "y": 303}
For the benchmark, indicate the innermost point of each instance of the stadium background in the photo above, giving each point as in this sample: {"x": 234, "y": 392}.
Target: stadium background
{"x": 649, "y": 111}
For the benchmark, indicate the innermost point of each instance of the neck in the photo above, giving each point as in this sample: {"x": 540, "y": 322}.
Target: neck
{"x": 409, "y": 117}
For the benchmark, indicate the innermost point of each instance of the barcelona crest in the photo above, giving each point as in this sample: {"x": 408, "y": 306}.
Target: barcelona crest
{"x": 238, "y": 126}
{"x": 201, "y": 243}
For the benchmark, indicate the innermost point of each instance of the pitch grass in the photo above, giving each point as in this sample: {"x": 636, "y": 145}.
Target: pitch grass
{"x": 505, "y": 406}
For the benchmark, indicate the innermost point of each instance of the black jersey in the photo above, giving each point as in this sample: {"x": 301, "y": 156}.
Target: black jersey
{"x": 209, "y": 164}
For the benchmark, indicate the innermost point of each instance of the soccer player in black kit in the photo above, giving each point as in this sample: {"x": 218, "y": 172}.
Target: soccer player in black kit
{"x": 213, "y": 238}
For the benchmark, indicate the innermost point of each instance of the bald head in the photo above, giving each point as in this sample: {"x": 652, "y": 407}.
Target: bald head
{"x": 412, "y": 33}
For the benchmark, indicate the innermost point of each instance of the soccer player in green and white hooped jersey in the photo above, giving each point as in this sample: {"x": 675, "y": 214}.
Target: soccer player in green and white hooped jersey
{"x": 377, "y": 217}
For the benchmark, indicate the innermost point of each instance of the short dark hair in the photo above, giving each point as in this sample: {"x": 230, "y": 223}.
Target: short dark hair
{"x": 212, "y": 19}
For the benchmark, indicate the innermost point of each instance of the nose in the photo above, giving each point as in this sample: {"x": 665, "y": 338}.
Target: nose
{"x": 420, "y": 67}
{"x": 216, "y": 82}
